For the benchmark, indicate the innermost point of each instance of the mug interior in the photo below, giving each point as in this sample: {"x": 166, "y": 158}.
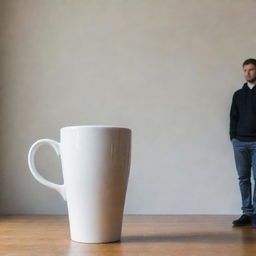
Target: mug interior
{"x": 93, "y": 126}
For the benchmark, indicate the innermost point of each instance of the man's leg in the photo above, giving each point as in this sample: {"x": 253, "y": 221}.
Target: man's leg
{"x": 243, "y": 165}
{"x": 253, "y": 154}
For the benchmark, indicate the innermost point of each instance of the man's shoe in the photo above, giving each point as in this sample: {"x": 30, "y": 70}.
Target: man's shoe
{"x": 254, "y": 220}
{"x": 244, "y": 220}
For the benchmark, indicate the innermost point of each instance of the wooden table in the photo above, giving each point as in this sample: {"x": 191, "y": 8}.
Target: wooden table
{"x": 39, "y": 235}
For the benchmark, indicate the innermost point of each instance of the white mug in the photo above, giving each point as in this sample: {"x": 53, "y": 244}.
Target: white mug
{"x": 95, "y": 163}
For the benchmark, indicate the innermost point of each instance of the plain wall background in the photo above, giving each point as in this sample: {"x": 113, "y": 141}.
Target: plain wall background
{"x": 165, "y": 69}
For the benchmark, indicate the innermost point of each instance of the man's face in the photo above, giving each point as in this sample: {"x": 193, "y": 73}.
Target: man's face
{"x": 250, "y": 73}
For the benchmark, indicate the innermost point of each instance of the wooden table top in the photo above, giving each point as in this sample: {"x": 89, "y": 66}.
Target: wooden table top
{"x": 26, "y": 235}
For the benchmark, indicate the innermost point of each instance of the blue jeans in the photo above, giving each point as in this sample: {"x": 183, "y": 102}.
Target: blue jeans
{"x": 245, "y": 159}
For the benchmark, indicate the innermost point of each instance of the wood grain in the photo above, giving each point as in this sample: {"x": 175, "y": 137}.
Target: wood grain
{"x": 141, "y": 235}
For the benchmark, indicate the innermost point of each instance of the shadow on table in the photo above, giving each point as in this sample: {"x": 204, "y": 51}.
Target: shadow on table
{"x": 242, "y": 235}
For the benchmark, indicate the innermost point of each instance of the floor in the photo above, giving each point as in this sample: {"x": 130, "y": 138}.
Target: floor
{"x": 141, "y": 235}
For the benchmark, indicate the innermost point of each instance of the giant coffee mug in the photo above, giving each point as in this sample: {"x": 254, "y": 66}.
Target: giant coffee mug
{"x": 95, "y": 163}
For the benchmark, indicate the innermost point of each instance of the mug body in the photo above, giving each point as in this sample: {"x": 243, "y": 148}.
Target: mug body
{"x": 96, "y": 164}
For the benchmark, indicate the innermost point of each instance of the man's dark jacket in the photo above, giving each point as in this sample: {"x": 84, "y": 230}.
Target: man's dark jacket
{"x": 243, "y": 114}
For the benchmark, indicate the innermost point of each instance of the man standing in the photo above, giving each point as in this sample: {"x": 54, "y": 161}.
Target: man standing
{"x": 243, "y": 136}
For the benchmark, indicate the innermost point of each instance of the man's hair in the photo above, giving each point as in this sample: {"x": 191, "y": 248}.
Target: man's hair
{"x": 250, "y": 61}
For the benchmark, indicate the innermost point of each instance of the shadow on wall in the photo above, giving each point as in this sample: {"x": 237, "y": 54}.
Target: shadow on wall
{"x": 3, "y": 66}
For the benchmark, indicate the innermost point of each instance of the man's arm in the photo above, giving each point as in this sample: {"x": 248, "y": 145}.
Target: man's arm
{"x": 234, "y": 115}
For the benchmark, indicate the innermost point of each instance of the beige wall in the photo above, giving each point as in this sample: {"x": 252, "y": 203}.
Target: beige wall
{"x": 166, "y": 69}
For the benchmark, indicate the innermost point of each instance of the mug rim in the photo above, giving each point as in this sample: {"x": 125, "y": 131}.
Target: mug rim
{"x": 94, "y": 126}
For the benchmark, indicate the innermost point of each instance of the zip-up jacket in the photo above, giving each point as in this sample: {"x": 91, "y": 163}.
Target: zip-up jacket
{"x": 243, "y": 114}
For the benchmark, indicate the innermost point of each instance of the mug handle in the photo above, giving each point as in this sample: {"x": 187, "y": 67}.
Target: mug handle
{"x": 37, "y": 176}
